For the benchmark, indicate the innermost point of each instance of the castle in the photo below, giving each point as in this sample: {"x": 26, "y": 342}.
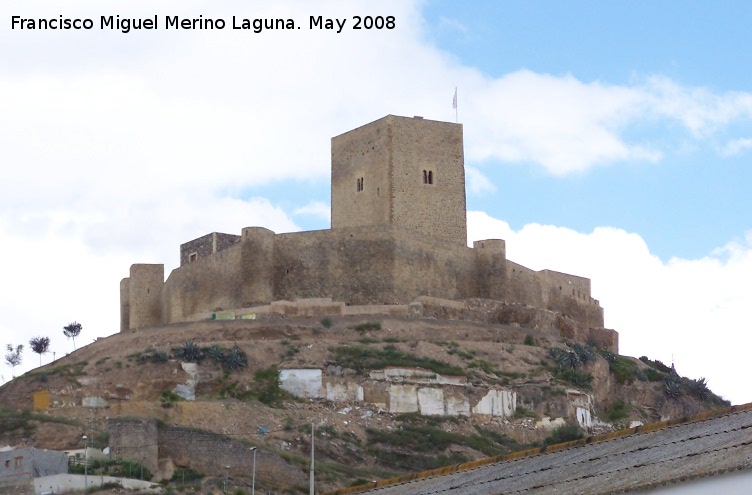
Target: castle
{"x": 398, "y": 233}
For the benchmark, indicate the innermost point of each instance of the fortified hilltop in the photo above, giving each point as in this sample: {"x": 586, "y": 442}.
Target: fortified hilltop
{"x": 399, "y": 235}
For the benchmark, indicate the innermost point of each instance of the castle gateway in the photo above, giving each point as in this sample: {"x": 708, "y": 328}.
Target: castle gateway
{"x": 399, "y": 232}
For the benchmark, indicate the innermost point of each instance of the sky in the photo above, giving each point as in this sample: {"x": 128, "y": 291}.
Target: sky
{"x": 610, "y": 140}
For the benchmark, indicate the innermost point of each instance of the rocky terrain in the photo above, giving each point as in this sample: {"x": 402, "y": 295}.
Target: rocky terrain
{"x": 233, "y": 392}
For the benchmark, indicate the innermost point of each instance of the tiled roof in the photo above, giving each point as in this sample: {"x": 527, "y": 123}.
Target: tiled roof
{"x": 656, "y": 454}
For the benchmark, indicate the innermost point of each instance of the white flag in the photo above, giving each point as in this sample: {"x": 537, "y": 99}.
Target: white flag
{"x": 454, "y": 100}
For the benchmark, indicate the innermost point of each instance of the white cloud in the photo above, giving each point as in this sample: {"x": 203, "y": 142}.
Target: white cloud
{"x": 737, "y": 146}
{"x": 478, "y": 183}
{"x": 692, "y": 311}
{"x": 315, "y": 208}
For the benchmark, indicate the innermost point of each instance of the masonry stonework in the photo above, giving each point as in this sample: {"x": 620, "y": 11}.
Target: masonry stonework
{"x": 399, "y": 232}
{"x": 146, "y": 440}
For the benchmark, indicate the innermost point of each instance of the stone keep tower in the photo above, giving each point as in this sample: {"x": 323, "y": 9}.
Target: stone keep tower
{"x": 403, "y": 172}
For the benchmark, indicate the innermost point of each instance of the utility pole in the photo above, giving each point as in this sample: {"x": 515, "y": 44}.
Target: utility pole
{"x": 311, "y": 489}
{"x": 86, "y": 466}
{"x": 253, "y": 482}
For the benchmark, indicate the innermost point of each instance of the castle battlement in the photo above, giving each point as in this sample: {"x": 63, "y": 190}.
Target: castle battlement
{"x": 399, "y": 232}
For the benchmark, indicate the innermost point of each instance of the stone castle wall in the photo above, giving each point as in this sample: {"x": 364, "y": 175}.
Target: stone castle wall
{"x": 362, "y": 266}
{"x": 361, "y": 153}
{"x": 206, "y": 246}
{"x": 144, "y": 439}
{"x": 436, "y": 209}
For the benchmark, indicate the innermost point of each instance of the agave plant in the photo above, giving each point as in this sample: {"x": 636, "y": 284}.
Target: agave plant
{"x": 189, "y": 352}
{"x": 672, "y": 385}
{"x": 699, "y": 388}
{"x": 585, "y": 353}
{"x": 215, "y": 352}
{"x": 234, "y": 359}
{"x": 564, "y": 358}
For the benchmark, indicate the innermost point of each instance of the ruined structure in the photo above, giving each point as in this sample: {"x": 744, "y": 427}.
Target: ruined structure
{"x": 399, "y": 232}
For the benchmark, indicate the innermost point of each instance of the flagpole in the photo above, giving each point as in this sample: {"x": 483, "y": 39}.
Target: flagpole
{"x": 454, "y": 105}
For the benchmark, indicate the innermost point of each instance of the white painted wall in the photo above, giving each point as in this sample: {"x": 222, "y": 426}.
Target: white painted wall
{"x": 497, "y": 403}
{"x": 345, "y": 391}
{"x": 583, "y": 417}
{"x": 302, "y": 383}
{"x": 403, "y": 398}
{"x": 431, "y": 401}
{"x": 62, "y": 483}
{"x": 440, "y": 396}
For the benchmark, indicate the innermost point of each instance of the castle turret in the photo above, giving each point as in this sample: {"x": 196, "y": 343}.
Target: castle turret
{"x": 141, "y": 297}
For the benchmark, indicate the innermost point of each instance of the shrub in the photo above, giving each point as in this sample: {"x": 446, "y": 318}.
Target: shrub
{"x": 580, "y": 379}
{"x": 529, "y": 340}
{"x": 364, "y": 327}
{"x": 326, "y": 322}
{"x": 186, "y": 474}
{"x": 564, "y": 433}
{"x": 168, "y": 398}
{"x": 362, "y": 358}
{"x": 269, "y": 388}
{"x": 523, "y": 412}
{"x": 618, "y": 411}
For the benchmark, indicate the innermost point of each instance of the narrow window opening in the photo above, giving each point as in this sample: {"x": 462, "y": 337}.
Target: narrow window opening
{"x": 147, "y": 291}
{"x": 194, "y": 256}
{"x": 430, "y": 177}
{"x": 7, "y": 464}
{"x": 425, "y": 177}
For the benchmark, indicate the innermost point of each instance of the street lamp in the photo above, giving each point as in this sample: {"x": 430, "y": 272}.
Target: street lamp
{"x": 253, "y": 480}
{"x": 86, "y": 465}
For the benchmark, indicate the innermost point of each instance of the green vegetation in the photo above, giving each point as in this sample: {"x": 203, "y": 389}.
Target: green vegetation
{"x": 469, "y": 355}
{"x": 624, "y": 369}
{"x": 656, "y": 364}
{"x": 618, "y": 411}
{"x": 168, "y": 398}
{"x": 326, "y": 322}
{"x": 68, "y": 371}
{"x": 185, "y": 475}
{"x": 189, "y": 352}
{"x": 117, "y": 468}
{"x": 564, "y": 433}
{"x": 362, "y": 359}
{"x": 369, "y": 325}
{"x": 420, "y": 443}
{"x": 522, "y": 412}
{"x": 269, "y": 390}
{"x": 567, "y": 363}
{"x": 530, "y": 340}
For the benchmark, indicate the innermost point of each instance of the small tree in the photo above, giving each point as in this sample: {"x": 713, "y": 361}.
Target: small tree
{"x": 40, "y": 345}
{"x": 13, "y": 357}
{"x": 71, "y": 331}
